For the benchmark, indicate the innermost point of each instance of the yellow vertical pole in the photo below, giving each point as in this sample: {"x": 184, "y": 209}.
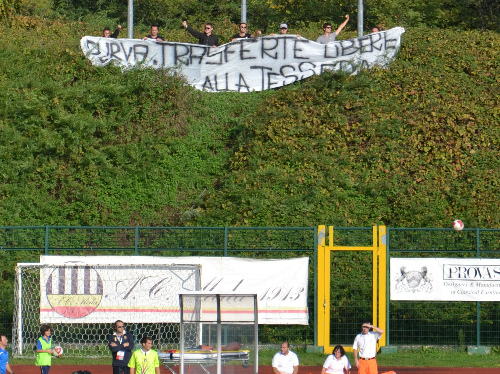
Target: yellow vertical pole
{"x": 383, "y": 283}
{"x": 321, "y": 313}
{"x": 328, "y": 249}
{"x": 375, "y": 277}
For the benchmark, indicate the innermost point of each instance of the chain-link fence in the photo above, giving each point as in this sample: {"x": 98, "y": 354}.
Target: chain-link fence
{"x": 26, "y": 244}
{"x": 457, "y": 323}
{"x": 409, "y": 322}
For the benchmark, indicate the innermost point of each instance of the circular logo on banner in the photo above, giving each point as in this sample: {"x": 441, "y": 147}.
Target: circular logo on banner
{"x": 74, "y": 291}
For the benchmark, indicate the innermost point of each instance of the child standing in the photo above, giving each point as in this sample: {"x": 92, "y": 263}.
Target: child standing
{"x": 44, "y": 350}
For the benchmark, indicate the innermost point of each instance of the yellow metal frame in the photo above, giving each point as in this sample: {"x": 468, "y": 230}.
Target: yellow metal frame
{"x": 379, "y": 282}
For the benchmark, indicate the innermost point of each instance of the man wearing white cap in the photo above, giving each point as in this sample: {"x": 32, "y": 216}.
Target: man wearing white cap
{"x": 366, "y": 342}
{"x": 284, "y": 30}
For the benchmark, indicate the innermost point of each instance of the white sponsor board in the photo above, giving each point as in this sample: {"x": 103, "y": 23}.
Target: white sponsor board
{"x": 281, "y": 286}
{"x": 445, "y": 279}
{"x": 247, "y": 64}
{"x": 76, "y": 292}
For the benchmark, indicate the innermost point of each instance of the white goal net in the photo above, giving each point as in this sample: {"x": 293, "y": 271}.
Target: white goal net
{"x": 80, "y": 302}
{"x": 228, "y": 331}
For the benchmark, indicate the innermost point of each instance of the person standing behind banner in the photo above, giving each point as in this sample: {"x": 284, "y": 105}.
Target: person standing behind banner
{"x": 243, "y": 34}
{"x": 284, "y": 30}
{"x": 285, "y": 361}
{"x": 145, "y": 360}
{"x": 329, "y": 36}
{"x": 337, "y": 362}
{"x": 366, "y": 342}
{"x": 107, "y": 32}
{"x": 206, "y": 37}
{"x": 121, "y": 345}
{"x": 154, "y": 35}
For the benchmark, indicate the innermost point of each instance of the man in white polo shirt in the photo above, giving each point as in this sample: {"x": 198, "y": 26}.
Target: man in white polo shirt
{"x": 285, "y": 361}
{"x": 366, "y": 342}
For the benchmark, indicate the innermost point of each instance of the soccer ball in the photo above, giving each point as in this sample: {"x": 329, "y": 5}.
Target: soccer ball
{"x": 458, "y": 225}
{"x": 57, "y": 351}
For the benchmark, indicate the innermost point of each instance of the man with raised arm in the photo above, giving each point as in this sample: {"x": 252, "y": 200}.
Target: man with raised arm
{"x": 206, "y": 37}
{"x": 366, "y": 342}
{"x": 106, "y": 33}
{"x": 329, "y": 36}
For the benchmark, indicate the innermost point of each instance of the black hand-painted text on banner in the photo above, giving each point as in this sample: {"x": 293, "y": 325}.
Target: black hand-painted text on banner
{"x": 247, "y": 64}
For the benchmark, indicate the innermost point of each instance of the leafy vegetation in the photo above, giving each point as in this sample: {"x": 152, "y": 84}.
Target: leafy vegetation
{"x": 413, "y": 145}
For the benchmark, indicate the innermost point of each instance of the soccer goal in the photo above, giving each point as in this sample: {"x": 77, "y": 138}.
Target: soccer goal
{"x": 227, "y": 326}
{"x": 81, "y": 301}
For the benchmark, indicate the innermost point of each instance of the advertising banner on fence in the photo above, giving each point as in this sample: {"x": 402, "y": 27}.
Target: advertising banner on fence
{"x": 78, "y": 292}
{"x": 445, "y": 279}
{"x": 114, "y": 287}
{"x": 247, "y": 64}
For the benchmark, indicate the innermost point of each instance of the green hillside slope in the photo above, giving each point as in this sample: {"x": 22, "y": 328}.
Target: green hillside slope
{"x": 413, "y": 145}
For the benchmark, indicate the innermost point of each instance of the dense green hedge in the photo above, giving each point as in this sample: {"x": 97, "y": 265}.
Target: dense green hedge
{"x": 412, "y": 145}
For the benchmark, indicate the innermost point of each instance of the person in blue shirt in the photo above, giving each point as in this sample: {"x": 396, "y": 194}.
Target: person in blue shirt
{"x": 4, "y": 356}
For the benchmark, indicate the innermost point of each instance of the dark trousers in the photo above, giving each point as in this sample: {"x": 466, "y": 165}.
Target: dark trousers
{"x": 120, "y": 370}
{"x": 44, "y": 369}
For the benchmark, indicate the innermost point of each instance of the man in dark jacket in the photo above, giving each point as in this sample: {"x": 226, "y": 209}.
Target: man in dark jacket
{"x": 204, "y": 38}
{"x": 121, "y": 344}
{"x": 107, "y": 32}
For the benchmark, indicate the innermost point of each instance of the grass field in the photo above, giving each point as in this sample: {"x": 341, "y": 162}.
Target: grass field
{"x": 414, "y": 357}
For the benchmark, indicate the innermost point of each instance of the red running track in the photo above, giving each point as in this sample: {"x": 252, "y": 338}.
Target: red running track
{"x": 101, "y": 369}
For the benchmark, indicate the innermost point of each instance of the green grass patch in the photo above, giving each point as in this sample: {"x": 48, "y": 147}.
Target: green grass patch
{"x": 414, "y": 358}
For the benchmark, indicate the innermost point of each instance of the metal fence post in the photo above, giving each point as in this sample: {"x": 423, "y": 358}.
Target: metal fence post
{"x": 478, "y": 303}
{"x": 47, "y": 230}
{"x": 136, "y": 241}
{"x": 226, "y": 239}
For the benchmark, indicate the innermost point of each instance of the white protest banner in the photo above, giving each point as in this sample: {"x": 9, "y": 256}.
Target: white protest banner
{"x": 247, "y": 64}
{"x": 445, "y": 279}
{"x": 281, "y": 285}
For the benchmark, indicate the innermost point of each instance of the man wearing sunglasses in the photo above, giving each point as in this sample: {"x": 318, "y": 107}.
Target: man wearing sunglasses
{"x": 243, "y": 34}
{"x": 204, "y": 38}
{"x": 329, "y": 36}
{"x": 121, "y": 345}
{"x": 284, "y": 30}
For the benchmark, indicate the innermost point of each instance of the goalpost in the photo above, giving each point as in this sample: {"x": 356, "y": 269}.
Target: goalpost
{"x": 233, "y": 346}
{"x": 81, "y": 301}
